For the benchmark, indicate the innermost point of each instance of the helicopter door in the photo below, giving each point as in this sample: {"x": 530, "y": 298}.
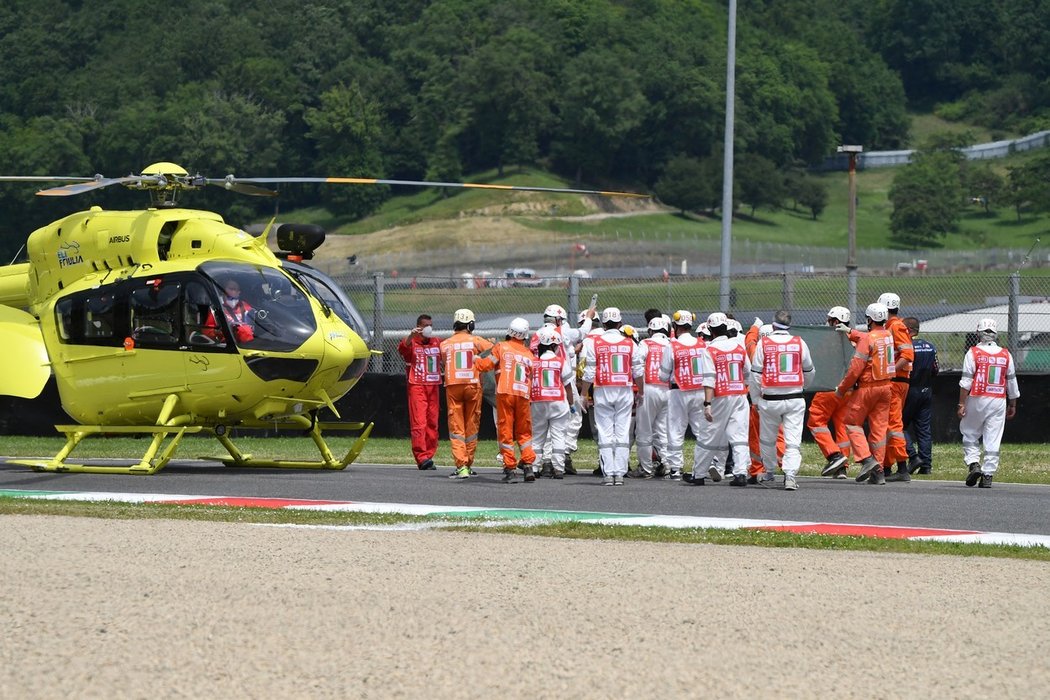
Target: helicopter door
{"x": 210, "y": 356}
{"x": 154, "y": 329}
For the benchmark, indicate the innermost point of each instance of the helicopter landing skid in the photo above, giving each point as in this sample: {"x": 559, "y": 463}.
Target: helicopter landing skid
{"x": 328, "y": 460}
{"x": 152, "y": 461}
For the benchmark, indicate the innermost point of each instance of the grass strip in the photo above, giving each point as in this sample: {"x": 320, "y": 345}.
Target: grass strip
{"x": 562, "y": 529}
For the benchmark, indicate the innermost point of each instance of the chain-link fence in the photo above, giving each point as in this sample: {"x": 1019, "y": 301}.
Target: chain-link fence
{"x": 947, "y": 306}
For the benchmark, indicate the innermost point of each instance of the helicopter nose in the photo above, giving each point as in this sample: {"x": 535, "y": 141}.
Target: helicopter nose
{"x": 347, "y": 354}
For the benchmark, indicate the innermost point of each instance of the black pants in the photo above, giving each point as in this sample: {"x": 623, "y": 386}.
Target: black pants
{"x": 918, "y": 409}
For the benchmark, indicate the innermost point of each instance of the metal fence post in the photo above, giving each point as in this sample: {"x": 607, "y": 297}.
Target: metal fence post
{"x": 1013, "y": 331}
{"x": 573, "y": 302}
{"x": 788, "y": 292}
{"x": 379, "y": 337}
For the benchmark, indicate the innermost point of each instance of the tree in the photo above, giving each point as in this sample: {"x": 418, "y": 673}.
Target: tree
{"x": 596, "y": 116}
{"x": 444, "y": 163}
{"x": 812, "y": 195}
{"x": 1028, "y": 186}
{"x": 346, "y": 130}
{"x": 984, "y": 186}
{"x": 926, "y": 197}
{"x": 787, "y": 111}
{"x": 685, "y": 185}
{"x": 759, "y": 182}
{"x": 511, "y": 92}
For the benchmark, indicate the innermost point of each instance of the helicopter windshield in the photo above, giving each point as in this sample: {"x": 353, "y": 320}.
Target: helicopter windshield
{"x": 325, "y": 289}
{"x": 264, "y": 308}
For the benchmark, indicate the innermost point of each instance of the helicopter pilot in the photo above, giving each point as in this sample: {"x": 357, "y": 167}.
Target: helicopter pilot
{"x": 238, "y": 312}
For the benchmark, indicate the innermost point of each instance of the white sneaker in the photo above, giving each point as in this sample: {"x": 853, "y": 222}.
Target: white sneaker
{"x": 617, "y": 481}
{"x": 715, "y": 473}
{"x": 789, "y": 483}
{"x": 608, "y": 481}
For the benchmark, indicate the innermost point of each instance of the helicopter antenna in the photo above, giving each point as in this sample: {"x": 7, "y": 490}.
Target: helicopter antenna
{"x": 17, "y": 254}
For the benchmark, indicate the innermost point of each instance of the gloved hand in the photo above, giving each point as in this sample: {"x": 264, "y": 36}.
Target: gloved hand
{"x": 842, "y": 328}
{"x": 757, "y": 322}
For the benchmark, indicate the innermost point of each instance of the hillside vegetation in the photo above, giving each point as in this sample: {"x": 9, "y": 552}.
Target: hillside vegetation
{"x": 603, "y": 93}
{"x": 430, "y": 219}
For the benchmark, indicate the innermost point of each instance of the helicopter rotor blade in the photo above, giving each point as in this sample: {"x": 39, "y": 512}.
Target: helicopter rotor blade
{"x": 43, "y": 178}
{"x": 255, "y": 186}
{"x": 92, "y": 184}
{"x": 234, "y": 185}
{"x": 425, "y": 183}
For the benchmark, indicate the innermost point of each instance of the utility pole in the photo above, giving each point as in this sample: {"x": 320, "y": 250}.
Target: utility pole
{"x": 851, "y": 228}
{"x": 727, "y": 164}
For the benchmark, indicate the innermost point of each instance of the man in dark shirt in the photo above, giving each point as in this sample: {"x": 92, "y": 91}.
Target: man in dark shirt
{"x": 918, "y": 406}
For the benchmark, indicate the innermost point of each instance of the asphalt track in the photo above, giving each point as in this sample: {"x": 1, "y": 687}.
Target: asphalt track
{"x": 1012, "y": 508}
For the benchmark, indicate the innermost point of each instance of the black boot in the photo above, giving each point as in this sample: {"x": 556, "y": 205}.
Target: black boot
{"x": 903, "y": 474}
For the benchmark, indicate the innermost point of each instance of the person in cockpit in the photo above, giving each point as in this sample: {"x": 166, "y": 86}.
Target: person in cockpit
{"x": 239, "y": 313}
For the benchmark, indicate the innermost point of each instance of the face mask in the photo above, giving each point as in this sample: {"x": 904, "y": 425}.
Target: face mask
{"x": 427, "y": 331}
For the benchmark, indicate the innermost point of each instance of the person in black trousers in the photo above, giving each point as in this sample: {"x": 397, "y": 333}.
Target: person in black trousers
{"x": 918, "y": 406}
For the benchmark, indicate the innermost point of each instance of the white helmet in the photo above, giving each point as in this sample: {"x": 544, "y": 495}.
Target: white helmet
{"x": 717, "y": 319}
{"x": 660, "y": 323}
{"x": 683, "y": 318}
{"x": 555, "y": 311}
{"x": 765, "y": 329}
{"x": 703, "y": 329}
{"x": 582, "y": 316}
{"x": 734, "y": 325}
{"x": 987, "y": 325}
{"x": 877, "y": 312}
{"x": 611, "y": 315}
{"x": 463, "y": 316}
{"x": 839, "y": 313}
{"x": 890, "y": 300}
{"x": 519, "y": 328}
{"x": 546, "y": 335}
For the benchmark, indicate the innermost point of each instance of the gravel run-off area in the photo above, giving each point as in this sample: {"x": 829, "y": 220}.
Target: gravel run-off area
{"x": 97, "y": 608}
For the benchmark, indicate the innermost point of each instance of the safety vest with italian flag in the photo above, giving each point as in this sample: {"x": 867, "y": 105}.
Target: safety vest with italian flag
{"x": 654, "y": 356}
{"x": 515, "y": 368}
{"x": 729, "y": 371}
{"x": 688, "y": 365}
{"x": 782, "y": 362}
{"x": 990, "y": 372}
{"x": 547, "y": 382}
{"x": 613, "y": 362}
{"x": 426, "y": 364}
{"x": 881, "y": 354}
{"x": 459, "y": 352}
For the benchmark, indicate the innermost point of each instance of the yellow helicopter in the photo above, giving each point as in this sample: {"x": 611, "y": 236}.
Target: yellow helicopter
{"x": 168, "y": 321}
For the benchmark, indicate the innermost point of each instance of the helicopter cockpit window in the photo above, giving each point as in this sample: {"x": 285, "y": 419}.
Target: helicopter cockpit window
{"x": 154, "y": 309}
{"x": 325, "y": 289}
{"x": 263, "y": 307}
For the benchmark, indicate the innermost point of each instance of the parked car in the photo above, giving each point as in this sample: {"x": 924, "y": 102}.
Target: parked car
{"x": 523, "y": 277}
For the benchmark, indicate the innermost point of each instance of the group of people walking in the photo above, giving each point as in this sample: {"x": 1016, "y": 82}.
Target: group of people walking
{"x": 742, "y": 394}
